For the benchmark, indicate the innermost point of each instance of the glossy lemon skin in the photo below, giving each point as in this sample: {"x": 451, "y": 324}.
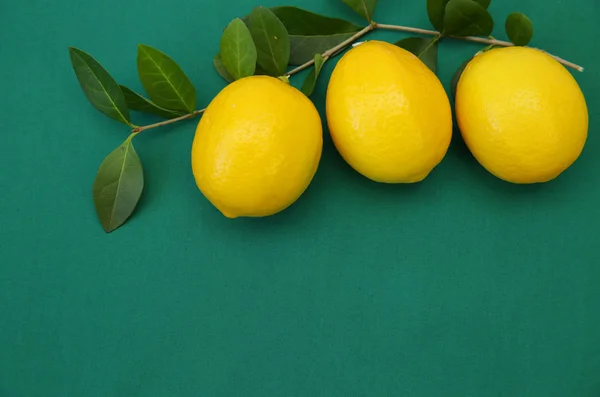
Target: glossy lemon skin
{"x": 257, "y": 147}
{"x": 522, "y": 114}
{"x": 388, "y": 114}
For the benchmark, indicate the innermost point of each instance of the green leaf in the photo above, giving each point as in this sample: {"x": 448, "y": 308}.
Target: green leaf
{"x": 271, "y": 39}
{"x": 118, "y": 186}
{"x": 467, "y": 18}
{"x": 457, "y": 75}
{"x": 519, "y": 29}
{"x": 300, "y": 22}
{"x": 218, "y": 63}
{"x": 311, "y": 80}
{"x": 137, "y": 102}
{"x": 484, "y": 3}
{"x": 304, "y": 47}
{"x": 312, "y": 33}
{"x": 364, "y": 8}
{"x": 164, "y": 80}
{"x": 436, "y": 10}
{"x": 424, "y": 48}
{"x": 238, "y": 51}
{"x": 98, "y": 86}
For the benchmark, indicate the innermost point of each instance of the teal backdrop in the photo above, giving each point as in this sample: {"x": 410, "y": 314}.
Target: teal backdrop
{"x": 462, "y": 285}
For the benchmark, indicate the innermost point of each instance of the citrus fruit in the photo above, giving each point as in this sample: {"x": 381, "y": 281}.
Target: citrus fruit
{"x": 522, "y": 114}
{"x": 388, "y": 114}
{"x": 257, "y": 147}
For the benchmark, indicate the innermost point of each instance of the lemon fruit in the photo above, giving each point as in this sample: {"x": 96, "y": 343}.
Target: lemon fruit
{"x": 522, "y": 114}
{"x": 257, "y": 147}
{"x": 388, "y": 114}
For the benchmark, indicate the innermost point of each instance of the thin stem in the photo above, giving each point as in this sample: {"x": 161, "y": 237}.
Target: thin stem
{"x": 474, "y": 39}
{"x": 170, "y": 121}
{"x": 333, "y": 50}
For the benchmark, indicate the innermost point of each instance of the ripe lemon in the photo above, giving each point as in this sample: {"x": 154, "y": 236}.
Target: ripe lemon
{"x": 522, "y": 114}
{"x": 257, "y": 147}
{"x": 388, "y": 114}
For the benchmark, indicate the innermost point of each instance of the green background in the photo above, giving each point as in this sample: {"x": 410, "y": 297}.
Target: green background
{"x": 462, "y": 285}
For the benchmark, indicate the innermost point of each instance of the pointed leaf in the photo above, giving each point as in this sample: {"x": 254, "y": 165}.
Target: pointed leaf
{"x": 424, "y": 48}
{"x": 304, "y": 47}
{"x": 271, "y": 39}
{"x": 519, "y": 29}
{"x": 98, "y": 86}
{"x": 218, "y": 63}
{"x": 137, "y": 102}
{"x": 164, "y": 80}
{"x": 312, "y": 33}
{"x": 467, "y": 18}
{"x": 238, "y": 51}
{"x": 311, "y": 80}
{"x": 364, "y": 8}
{"x": 300, "y": 22}
{"x": 118, "y": 186}
{"x": 457, "y": 74}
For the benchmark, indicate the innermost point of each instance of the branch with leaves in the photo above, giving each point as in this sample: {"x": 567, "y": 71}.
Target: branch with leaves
{"x": 278, "y": 42}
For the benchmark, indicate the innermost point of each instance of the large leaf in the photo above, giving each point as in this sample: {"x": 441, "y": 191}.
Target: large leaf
{"x": 312, "y": 33}
{"x": 424, "y": 48}
{"x": 304, "y": 47}
{"x": 218, "y": 64}
{"x": 118, "y": 186}
{"x": 164, "y": 80}
{"x": 467, "y": 18}
{"x": 364, "y": 8}
{"x": 519, "y": 29}
{"x": 137, "y": 102}
{"x": 98, "y": 86}
{"x": 238, "y": 51}
{"x": 271, "y": 39}
{"x": 311, "y": 80}
{"x": 300, "y": 22}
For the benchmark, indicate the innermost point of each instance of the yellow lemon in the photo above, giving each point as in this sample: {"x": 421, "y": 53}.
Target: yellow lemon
{"x": 522, "y": 114}
{"x": 388, "y": 114}
{"x": 257, "y": 147}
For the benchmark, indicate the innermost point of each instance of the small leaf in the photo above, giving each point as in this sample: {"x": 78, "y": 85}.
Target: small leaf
{"x": 312, "y": 33}
{"x": 98, "y": 86}
{"x": 218, "y": 63}
{"x": 364, "y": 8}
{"x": 467, "y": 18}
{"x": 271, "y": 39}
{"x": 311, "y": 80}
{"x": 519, "y": 29}
{"x": 137, "y": 102}
{"x": 238, "y": 51}
{"x": 457, "y": 74}
{"x": 164, "y": 80}
{"x": 424, "y": 48}
{"x": 118, "y": 186}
